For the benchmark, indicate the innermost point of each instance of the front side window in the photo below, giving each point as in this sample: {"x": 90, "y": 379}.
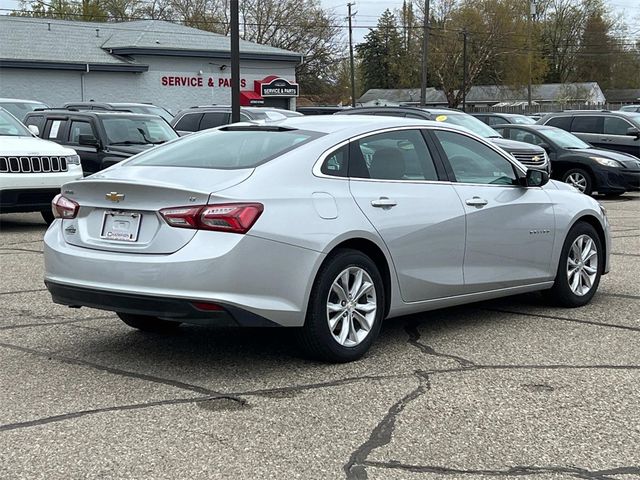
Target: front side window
{"x": 229, "y": 148}
{"x": 396, "y": 155}
{"x": 189, "y": 122}
{"x": 79, "y": 128}
{"x": 474, "y": 162}
{"x": 137, "y": 131}
{"x": 11, "y": 127}
{"x": 616, "y": 126}
{"x": 525, "y": 136}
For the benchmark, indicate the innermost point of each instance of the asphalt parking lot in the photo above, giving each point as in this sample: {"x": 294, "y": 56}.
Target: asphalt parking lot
{"x": 506, "y": 389}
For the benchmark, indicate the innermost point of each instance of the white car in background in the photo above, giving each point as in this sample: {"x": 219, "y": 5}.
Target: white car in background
{"x": 32, "y": 170}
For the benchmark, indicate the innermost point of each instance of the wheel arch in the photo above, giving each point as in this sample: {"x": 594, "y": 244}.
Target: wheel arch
{"x": 373, "y": 251}
{"x": 597, "y": 225}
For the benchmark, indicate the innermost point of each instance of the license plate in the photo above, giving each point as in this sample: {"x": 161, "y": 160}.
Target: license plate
{"x": 121, "y": 226}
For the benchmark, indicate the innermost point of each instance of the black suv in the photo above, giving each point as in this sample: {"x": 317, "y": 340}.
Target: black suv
{"x": 199, "y": 118}
{"x": 145, "y": 108}
{"x": 101, "y": 138}
{"x": 618, "y": 131}
{"x": 527, "y": 154}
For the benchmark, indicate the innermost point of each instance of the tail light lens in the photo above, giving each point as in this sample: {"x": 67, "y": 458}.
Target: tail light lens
{"x": 62, "y": 207}
{"x": 222, "y": 217}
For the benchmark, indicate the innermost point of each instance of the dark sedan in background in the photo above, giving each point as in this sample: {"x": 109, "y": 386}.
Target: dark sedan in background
{"x": 492, "y": 119}
{"x": 577, "y": 163}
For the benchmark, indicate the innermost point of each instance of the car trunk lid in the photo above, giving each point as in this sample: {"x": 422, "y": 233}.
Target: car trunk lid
{"x": 119, "y": 208}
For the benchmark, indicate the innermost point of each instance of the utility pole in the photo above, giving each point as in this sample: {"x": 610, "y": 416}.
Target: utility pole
{"x": 235, "y": 61}
{"x": 464, "y": 70}
{"x": 532, "y": 12}
{"x": 425, "y": 44}
{"x": 353, "y": 75}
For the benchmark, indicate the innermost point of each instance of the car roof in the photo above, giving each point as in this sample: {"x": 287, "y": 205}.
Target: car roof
{"x": 92, "y": 113}
{"x": 113, "y": 104}
{"x": 526, "y": 126}
{"x": 353, "y": 124}
{"x": 20, "y": 100}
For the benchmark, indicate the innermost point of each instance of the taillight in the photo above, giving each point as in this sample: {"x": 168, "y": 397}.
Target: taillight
{"x": 62, "y": 207}
{"x": 222, "y": 217}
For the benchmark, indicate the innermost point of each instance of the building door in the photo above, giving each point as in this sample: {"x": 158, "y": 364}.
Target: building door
{"x": 276, "y": 102}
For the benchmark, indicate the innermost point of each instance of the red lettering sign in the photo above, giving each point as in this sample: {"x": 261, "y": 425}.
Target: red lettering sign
{"x": 181, "y": 81}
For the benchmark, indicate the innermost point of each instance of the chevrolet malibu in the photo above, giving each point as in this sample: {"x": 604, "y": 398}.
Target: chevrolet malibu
{"x": 326, "y": 224}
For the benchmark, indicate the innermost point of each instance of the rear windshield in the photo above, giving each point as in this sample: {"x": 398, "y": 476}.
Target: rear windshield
{"x": 137, "y": 130}
{"x": 226, "y": 149}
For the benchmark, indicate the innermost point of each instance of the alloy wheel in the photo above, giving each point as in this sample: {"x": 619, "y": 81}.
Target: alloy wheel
{"x": 582, "y": 265}
{"x": 577, "y": 180}
{"x": 351, "y": 306}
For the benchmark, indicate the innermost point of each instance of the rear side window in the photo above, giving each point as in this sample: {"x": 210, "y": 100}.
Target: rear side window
{"x": 54, "y": 129}
{"x": 616, "y": 126}
{"x": 396, "y": 155}
{"x": 226, "y": 149}
{"x": 587, "y": 124}
{"x": 189, "y": 122}
{"x": 336, "y": 163}
{"x": 213, "y": 119}
{"x": 560, "y": 122}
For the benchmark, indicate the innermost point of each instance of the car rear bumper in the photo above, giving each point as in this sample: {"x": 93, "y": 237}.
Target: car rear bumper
{"x": 162, "y": 307}
{"x": 267, "y": 279}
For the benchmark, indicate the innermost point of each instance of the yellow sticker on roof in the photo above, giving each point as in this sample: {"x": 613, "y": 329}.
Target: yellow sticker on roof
{"x": 441, "y": 118}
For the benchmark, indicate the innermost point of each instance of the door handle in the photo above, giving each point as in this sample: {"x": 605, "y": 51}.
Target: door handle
{"x": 476, "y": 202}
{"x": 383, "y": 202}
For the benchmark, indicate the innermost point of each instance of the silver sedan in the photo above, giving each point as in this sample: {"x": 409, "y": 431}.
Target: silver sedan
{"x": 326, "y": 224}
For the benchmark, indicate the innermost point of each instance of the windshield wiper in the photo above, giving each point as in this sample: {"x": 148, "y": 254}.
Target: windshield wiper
{"x": 128, "y": 142}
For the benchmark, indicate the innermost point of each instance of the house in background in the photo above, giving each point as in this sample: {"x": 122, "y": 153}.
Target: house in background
{"x": 501, "y": 96}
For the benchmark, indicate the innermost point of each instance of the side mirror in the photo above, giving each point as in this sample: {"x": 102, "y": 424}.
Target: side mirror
{"x": 34, "y": 129}
{"x": 545, "y": 146}
{"x": 88, "y": 140}
{"x": 633, "y": 132}
{"x": 536, "y": 178}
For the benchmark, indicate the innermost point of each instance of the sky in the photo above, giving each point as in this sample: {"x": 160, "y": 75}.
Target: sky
{"x": 368, "y": 12}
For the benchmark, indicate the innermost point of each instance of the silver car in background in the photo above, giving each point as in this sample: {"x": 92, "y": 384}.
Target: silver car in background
{"x": 329, "y": 224}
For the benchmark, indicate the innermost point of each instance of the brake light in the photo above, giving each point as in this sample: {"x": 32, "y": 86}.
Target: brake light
{"x": 62, "y": 207}
{"x": 222, "y": 217}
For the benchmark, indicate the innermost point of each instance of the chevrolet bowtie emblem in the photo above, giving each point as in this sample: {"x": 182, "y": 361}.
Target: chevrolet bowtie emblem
{"x": 114, "y": 196}
{"x": 536, "y": 159}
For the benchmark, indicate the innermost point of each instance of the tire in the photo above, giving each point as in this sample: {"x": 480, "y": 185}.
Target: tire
{"x": 580, "y": 179}
{"x": 562, "y": 293}
{"x": 47, "y": 216}
{"x": 317, "y": 339}
{"x": 148, "y": 324}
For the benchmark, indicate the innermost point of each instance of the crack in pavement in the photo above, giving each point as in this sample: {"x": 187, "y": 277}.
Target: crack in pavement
{"x": 518, "y": 470}
{"x": 119, "y": 408}
{"x": 564, "y": 319}
{"x": 113, "y": 370}
{"x": 616, "y": 254}
{"x": 24, "y": 291}
{"x": 383, "y": 431}
{"x": 620, "y": 295}
{"x": 411, "y": 328}
{"x": 268, "y": 392}
{"x": 9, "y": 250}
{"x": 47, "y": 324}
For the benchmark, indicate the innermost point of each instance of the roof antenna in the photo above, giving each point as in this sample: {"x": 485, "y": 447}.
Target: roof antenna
{"x": 98, "y": 32}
